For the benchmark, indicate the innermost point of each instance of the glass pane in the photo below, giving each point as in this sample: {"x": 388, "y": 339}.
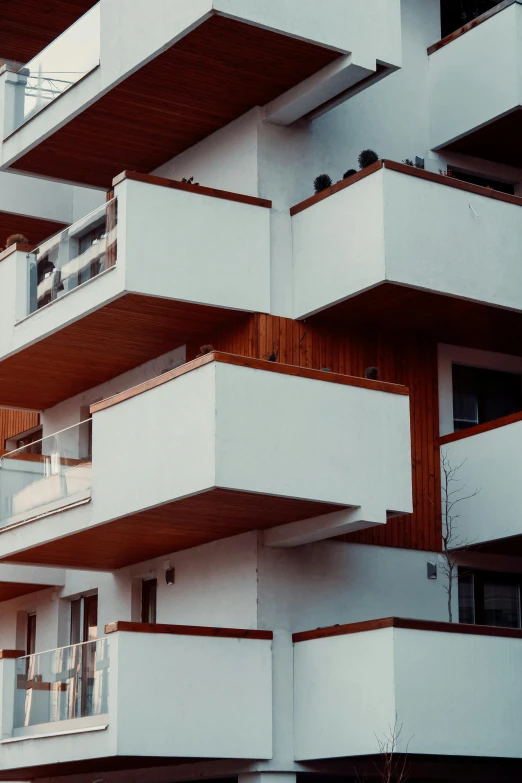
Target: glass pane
{"x": 149, "y": 588}
{"x": 73, "y": 257}
{"x": 31, "y": 483}
{"x": 466, "y": 599}
{"x": 501, "y": 605}
{"x": 60, "y": 65}
{"x": 71, "y": 682}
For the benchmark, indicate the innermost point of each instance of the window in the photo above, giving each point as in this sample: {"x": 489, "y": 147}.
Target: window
{"x": 149, "y": 590}
{"x": 30, "y": 645}
{"x": 481, "y": 395}
{"x": 84, "y": 619}
{"x": 487, "y": 598}
{"x": 456, "y": 13}
{"x": 485, "y": 182}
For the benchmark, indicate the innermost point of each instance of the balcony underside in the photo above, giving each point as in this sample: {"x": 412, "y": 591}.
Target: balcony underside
{"x": 511, "y": 546}
{"x": 90, "y": 766}
{"x": 210, "y": 77}
{"x": 34, "y": 229}
{"x": 10, "y": 590}
{"x": 447, "y": 319}
{"x": 421, "y": 767}
{"x": 183, "y": 524}
{"x": 28, "y": 26}
{"x": 498, "y": 141}
{"x": 110, "y": 341}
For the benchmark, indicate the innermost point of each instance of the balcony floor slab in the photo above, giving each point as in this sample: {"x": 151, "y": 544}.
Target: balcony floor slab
{"x": 183, "y": 524}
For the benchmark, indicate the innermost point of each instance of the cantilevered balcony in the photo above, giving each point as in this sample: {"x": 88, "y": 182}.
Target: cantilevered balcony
{"x": 409, "y": 249}
{"x": 228, "y": 56}
{"x": 214, "y": 448}
{"x": 354, "y": 683}
{"x": 160, "y": 264}
{"x": 489, "y": 456}
{"x": 214, "y": 700}
{"x": 476, "y": 87}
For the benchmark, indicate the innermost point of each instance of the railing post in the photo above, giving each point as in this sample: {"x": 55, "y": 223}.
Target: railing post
{"x": 7, "y": 690}
{"x": 12, "y": 96}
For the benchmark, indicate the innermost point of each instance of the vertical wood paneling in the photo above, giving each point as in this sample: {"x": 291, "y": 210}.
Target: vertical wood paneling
{"x": 14, "y": 422}
{"x": 401, "y": 358}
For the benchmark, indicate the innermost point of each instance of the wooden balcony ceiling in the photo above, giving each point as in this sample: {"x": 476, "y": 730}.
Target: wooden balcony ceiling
{"x": 34, "y": 229}
{"x": 209, "y": 78}
{"x": 113, "y": 339}
{"x": 10, "y": 590}
{"x": 499, "y": 141}
{"x": 183, "y": 524}
{"x": 446, "y": 319}
{"x": 28, "y": 26}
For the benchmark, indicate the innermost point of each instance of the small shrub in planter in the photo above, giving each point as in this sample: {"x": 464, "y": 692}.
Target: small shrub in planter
{"x": 349, "y": 173}
{"x": 16, "y": 239}
{"x": 367, "y": 158}
{"x": 189, "y": 181}
{"x": 322, "y": 182}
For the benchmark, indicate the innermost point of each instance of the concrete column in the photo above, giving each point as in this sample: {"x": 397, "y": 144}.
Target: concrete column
{"x": 267, "y": 777}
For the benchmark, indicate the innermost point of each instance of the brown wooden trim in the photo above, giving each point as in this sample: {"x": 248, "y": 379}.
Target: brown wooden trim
{"x": 38, "y": 685}
{"x": 411, "y": 171}
{"x": 256, "y": 364}
{"x": 201, "y": 190}
{"x": 186, "y": 630}
{"x": 16, "y": 249}
{"x": 470, "y": 25}
{"x": 451, "y": 182}
{"x": 480, "y": 428}
{"x": 69, "y": 462}
{"x": 344, "y": 183}
{"x": 409, "y": 624}
{"x": 9, "y": 654}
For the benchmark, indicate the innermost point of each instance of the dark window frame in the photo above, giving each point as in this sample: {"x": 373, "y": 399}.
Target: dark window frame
{"x": 480, "y": 578}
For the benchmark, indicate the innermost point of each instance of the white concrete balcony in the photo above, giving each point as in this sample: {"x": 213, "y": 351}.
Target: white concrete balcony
{"x": 489, "y": 456}
{"x": 216, "y": 447}
{"x": 213, "y": 700}
{"x": 476, "y": 87}
{"x": 395, "y": 245}
{"x": 352, "y": 683}
{"x": 293, "y": 58}
{"x": 159, "y": 265}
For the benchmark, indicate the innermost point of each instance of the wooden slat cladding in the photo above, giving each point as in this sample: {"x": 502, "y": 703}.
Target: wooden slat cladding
{"x": 104, "y": 344}
{"x": 14, "y": 422}
{"x": 28, "y": 26}
{"x": 213, "y": 75}
{"x": 402, "y": 358}
{"x": 185, "y": 523}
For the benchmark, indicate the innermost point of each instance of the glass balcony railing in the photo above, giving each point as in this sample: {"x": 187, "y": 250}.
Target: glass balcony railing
{"x": 63, "y": 684}
{"x": 76, "y": 255}
{"x": 38, "y": 476}
{"x": 60, "y": 65}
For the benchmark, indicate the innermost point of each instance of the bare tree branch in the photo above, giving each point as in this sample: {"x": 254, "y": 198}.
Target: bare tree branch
{"x": 453, "y": 544}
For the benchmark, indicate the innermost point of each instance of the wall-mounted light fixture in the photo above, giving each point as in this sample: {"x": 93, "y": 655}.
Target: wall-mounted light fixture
{"x": 432, "y": 569}
{"x": 170, "y": 576}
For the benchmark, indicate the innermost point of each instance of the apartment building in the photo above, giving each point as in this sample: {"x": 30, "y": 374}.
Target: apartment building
{"x": 259, "y": 478}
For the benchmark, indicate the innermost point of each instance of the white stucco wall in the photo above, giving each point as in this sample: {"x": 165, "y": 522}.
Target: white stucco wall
{"x": 349, "y": 691}
{"x": 345, "y": 583}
